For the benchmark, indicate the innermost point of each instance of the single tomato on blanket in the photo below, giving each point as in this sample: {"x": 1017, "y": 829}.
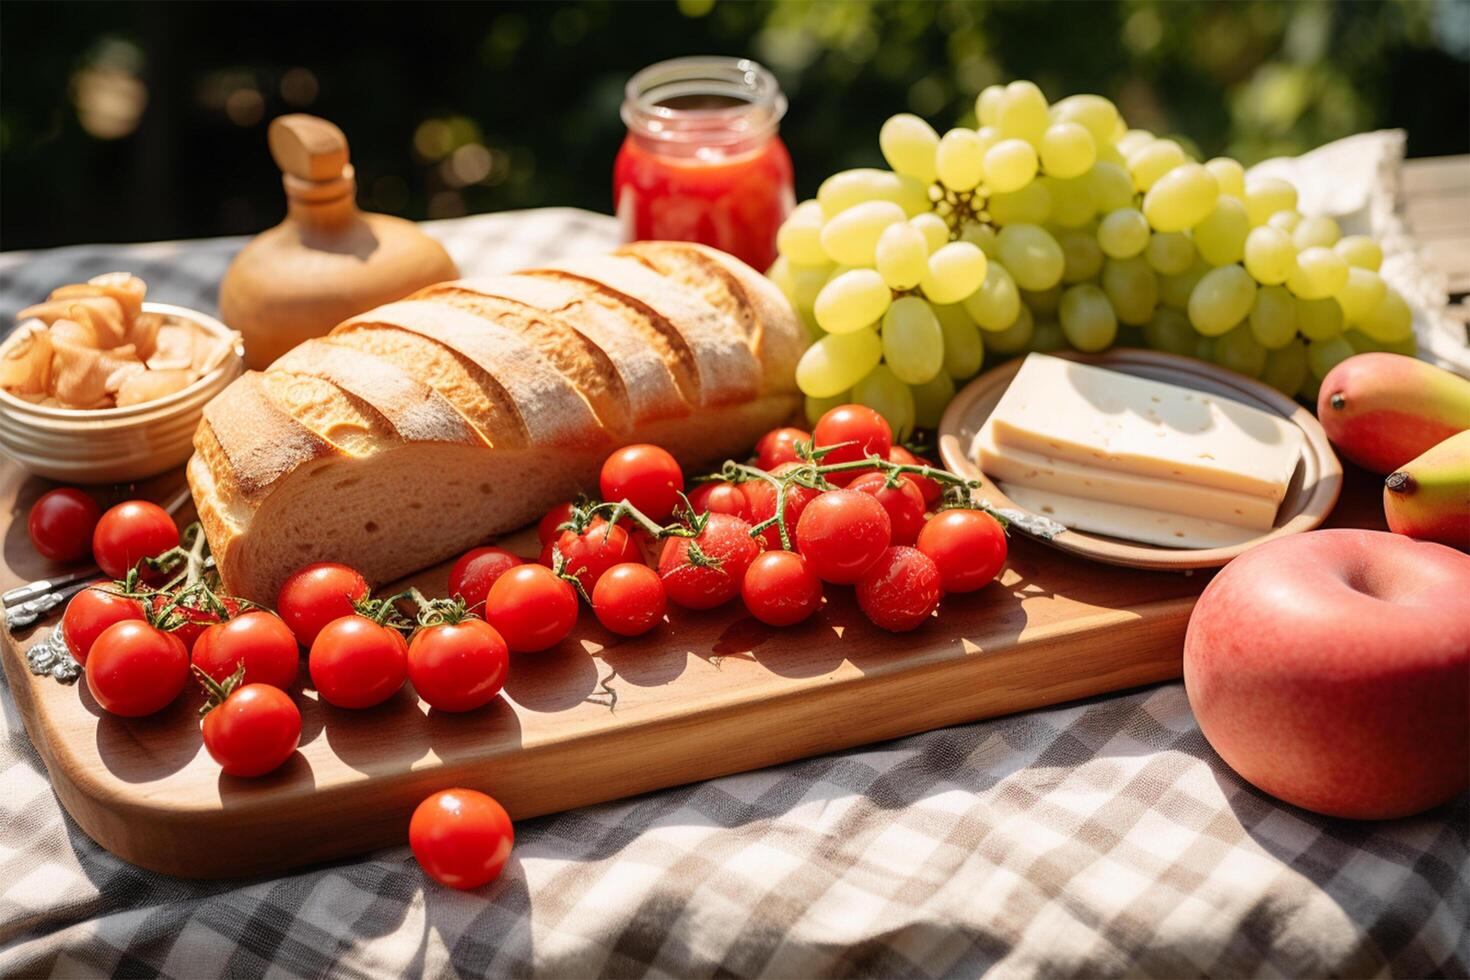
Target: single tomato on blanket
{"x": 461, "y": 838}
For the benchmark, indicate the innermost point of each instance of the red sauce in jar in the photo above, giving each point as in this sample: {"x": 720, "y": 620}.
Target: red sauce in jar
{"x": 702, "y": 161}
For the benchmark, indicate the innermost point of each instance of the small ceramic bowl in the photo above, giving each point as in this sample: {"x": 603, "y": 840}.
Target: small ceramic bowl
{"x": 116, "y": 445}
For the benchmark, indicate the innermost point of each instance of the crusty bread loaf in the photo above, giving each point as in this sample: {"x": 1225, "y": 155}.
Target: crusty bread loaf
{"x": 423, "y": 427}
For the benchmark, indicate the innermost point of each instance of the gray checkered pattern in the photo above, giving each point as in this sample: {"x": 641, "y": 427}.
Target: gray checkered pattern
{"x": 1103, "y": 838}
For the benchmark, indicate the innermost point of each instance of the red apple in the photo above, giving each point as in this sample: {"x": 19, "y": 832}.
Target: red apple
{"x": 1332, "y": 670}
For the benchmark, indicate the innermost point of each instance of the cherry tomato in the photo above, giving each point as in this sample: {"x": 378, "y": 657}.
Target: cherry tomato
{"x": 865, "y": 432}
{"x": 719, "y": 497}
{"x": 532, "y": 608}
{"x": 841, "y": 533}
{"x": 258, "y": 640}
{"x": 968, "y": 546}
{"x": 458, "y": 666}
{"x": 900, "y": 590}
{"x": 90, "y": 612}
{"x": 780, "y": 588}
{"x": 356, "y": 663}
{"x": 629, "y": 599}
{"x": 779, "y": 446}
{"x": 929, "y": 487}
{"x": 461, "y": 838}
{"x": 594, "y": 551}
{"x": 316, "y": 595}
{"x": 904, "y": 503}
{"x": 253, "y": 731}
{"x": 476, "y": 570}
{"x": 549, "y": 526}
{"x": 135, "y": 669}
{"x": 704, "y": 571}
{"x": 62, "y": 522}
{"x": 760, "y": 505}
{"x": 645, "y": 476}
{"x": 130, "y": 532}
{"x": 195, "y": 619}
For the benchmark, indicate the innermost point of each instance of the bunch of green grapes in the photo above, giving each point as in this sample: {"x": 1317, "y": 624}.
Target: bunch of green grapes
{"x": 1054, "y": 227}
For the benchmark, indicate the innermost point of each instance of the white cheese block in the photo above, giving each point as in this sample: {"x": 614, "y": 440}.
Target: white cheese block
{"x": 1090, "y": 415}
{"x": 1048, "y": 473}
{"x": 1124, "y": 521}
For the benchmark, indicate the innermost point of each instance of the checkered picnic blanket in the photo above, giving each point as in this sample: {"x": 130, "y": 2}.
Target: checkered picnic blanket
{"x": 1102, "y": 838}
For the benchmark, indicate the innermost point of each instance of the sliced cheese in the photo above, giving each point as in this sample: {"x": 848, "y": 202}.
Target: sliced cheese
{"x": 1048, "y": 473}
{"x": 1090, "y": 415}
{"x": 1125, "y": 521}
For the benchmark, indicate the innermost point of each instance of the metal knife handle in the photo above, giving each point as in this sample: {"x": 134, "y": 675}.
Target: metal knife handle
{"x": 27, "y": 613}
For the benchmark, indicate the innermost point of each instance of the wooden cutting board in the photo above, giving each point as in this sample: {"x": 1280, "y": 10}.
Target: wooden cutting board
{"x": 599, "y": 718}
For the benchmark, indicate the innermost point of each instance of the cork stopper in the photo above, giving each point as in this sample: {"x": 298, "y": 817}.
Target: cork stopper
{"x": 312, "y": 155}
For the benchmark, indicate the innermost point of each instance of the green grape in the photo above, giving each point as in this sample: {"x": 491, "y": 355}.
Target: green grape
{"x": 989, "y": 136}
{"x": 1082, "y": 256}
{"x": 1181, "y": 198}
{"x": 1111, "y": 186}
{"x": 1391, "y": 322}
{"x": 988, "y": 103}
{"x": 1204, "y": 347}
{"x": 1108, "y": 153}
{"x": 1169, "y": 330}
{"x": 1273, "y": 318}
{"x": 982, "y": 237}
{"x": 817, "y": 407}
{"x": 1324, "y": 355}
{"x": 1031, "y": 205}
{"x": 1123, "y": 233}
{"x": 851, "y": 301}
{"x": 1239, "y": 351}
{"x": 1067, "y": 149}
{"x": 902, "y": 255}
{"x": 963, "y": 350}
{"x": 1043, "y": 302}
{"x": 1286, "y": 367}
{"x": 935, "y": 231}
{"x": 1093, "y": 112}
{"x": 1229, "y": 174}
{"x": 1319, "y": 272}
{"x": 1170, "y": 253}
{"x": 800, "y": 236}
{"x": 1013, "y": 338}
{"x": 908, "y": 144}
{"x": 885, "y": 394}
{"x": 1360, "y": 251}
{"x": 1319, "y": 319}
{"x": 1221, "y": 299}
{"x": 1361, "y": 295}
{"x": 1151, "y": 161}
{"x": 1010, "y": 165}
{"x": 852, "y": 237}
{"x": 1048, "y": 337}
{"x": 1132, "y": 288}
{"x": 996, "y": 303}
{"x": 1087, "y": 318}
{"x": 808, "y": 281}
{"x": 1023, "y": 113}
{"x": 955, "y": 271}
{"x": 1285, "y": 221}
{"x": 960, "y": 159}
{"x": 1220, "y": 238}
{"x": 1072, "y": 205}
{"x": 931, "y": 399}
{"x": 1175, "y": 290}
{"x": 1264, "y": 196}
{"x": 852, "y": 187}
{"x": 837, "y": 362}
{"x": 780, "y": 274}
{"x": 1132, "y": 139}
{"x": 1315, "y": 232}
{"x": 1269, "y": 255}
{"x": 1031, "y": 256}
{"x": 1360, "y": 342}
{"x": 913, "y": 343}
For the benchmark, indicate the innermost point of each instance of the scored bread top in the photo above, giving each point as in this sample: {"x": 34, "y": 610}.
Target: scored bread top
{"x": 230, "y": 437}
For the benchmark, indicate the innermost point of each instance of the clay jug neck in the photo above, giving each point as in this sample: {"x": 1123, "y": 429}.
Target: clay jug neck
{"x": 322, "y": 207}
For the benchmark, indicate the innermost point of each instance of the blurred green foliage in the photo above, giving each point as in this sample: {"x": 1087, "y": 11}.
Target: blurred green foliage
{"x": 128, "y": 121}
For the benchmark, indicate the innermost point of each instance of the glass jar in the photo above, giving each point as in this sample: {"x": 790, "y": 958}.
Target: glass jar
{"x": 702, "y": 161}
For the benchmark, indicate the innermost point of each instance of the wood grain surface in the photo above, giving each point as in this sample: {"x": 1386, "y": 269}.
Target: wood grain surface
{"x": 598, "y": 718}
